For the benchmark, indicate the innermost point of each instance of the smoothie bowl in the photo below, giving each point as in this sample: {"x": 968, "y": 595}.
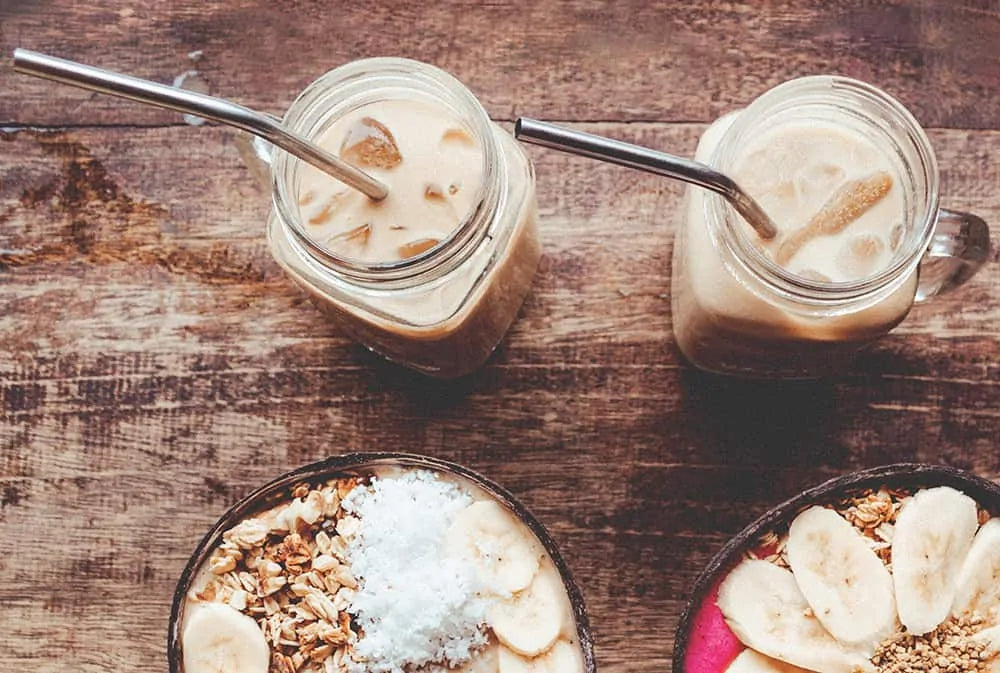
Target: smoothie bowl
{"x": 886, "y": 570}
{"x": 382, "y": 563}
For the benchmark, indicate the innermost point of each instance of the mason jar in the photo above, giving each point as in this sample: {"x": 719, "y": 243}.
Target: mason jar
{"x": 736, "y": 311}
{"x": 444, "y": 310}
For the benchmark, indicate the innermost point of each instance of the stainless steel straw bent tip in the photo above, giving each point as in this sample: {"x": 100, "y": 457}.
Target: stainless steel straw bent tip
{"x": 217, "y": 109}
{"x": 651, "y": 161}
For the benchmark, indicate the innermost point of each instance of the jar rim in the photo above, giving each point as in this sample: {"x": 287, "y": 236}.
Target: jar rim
{"x": 363, "y": 80}
{"x": 830, "y": 91}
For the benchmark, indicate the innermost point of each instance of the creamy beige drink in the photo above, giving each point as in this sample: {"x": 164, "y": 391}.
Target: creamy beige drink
{"x": 403, "y": 570}
{"x": 428, "y": 158}
{"x": 838, "y": 203}
{"x": 433, "y": 275}
{"x": 799, "y": 171}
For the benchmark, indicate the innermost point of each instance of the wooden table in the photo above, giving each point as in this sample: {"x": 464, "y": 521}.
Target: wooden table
{"x": 155, "y": 364}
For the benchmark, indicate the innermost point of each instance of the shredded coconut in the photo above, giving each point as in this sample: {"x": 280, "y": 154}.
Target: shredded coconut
{"x": 416, "y": 604}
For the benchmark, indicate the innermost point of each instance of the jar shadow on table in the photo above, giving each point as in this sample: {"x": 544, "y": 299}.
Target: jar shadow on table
{"x": 756, "y": 421}
{"x": 444, "y": 393}
{"x": 418, "y": 387}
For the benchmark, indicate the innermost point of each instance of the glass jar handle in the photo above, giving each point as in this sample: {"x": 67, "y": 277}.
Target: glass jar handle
{"x": 257, "y": 154}
{"x": 960, "y": 245}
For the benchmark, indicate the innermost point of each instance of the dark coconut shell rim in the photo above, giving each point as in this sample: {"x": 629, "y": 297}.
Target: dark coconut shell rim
{"x": 361, "y": 464}
{"x": 907, "y": 476}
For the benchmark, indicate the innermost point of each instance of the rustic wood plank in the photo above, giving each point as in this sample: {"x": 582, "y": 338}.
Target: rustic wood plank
{"x": 155, "y": 365}
{"x": 573, "y": 60}
{"x": 128, "y": 207}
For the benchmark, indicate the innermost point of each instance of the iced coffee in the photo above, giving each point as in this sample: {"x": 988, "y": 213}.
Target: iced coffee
{"x": 427, "y": 157}
{"x": 841, "y": 270}
{"x": 835, "y": 198}
{"x": 433, "y": 275}
{"x": 398, "y": 570}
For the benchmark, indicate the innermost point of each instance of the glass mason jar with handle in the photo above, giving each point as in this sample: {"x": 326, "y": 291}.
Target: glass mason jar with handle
{"x": 736, "y": 311}
{"x": 443, "y": 310}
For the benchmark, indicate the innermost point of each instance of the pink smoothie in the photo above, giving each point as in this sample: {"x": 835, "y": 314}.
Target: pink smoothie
{"x": 711, "y": 646}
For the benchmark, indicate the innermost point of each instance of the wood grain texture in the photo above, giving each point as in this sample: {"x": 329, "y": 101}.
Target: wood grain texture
{"x": 155, "y": 364}
{"x": 576, "y": 60}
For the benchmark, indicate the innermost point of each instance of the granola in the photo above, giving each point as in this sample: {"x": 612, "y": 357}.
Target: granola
{"x": 287, "y": 568}
{"x": 951, "y": 647}
{"x": 874, "y": 514}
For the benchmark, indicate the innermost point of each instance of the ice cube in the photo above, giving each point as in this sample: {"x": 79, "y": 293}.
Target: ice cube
{"x": 328, "y": 209}
{"x": 859, "y": 255}
{"x": 358, "y": 235}
{"x": 818, "y": 179}
{"x": 416, "y": 247}
{"x": 459, "y": 136}
{"x": 433, "y": 192}
{"x": 784, "y": 189}
{"x": 369, "y": 143}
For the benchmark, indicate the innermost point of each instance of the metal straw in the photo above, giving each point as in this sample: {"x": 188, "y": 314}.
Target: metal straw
{"x": 160, "y": 95}
{"x": 651, "y": 161}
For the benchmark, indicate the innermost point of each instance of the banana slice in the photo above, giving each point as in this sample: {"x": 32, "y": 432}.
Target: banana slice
{"x": 750, "y": 661}
{"x": 766, "y": 610}
{"x": 218, "y": 639}
{"x": 561, "y": 658}
{"x": 564, "y": 657}
{"x": 530, "y": 621}
{"x": 512, "y": 662}
{"x": 505, "y": 556}
{"x": 929, "y": 544}
{"x": 978, "y": 584}
{"x": 483, "y": 660}
{"x": 847, "y": 586}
